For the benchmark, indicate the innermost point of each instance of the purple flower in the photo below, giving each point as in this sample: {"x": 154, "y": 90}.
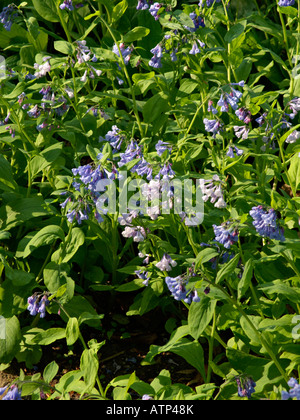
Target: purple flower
{"x": 7, "y": 16}
{"x": 114, "y": 138}
{"x": 197, "y": 21}
{"x": 293, "y": 137}
{"x": 243, "y": 115}
{"x": 176, "y": 286}
{"x": 246, "y": 387}
{"x": 133, "y": 151}
{"x": 286, "y": 3}
{"x": 209, "y": 3}
{"x": 34, "y": 112}
{"x": 195, "y": 49}
{"x": 212, "y": 126}
{"x": 157, "y": 55}
{"x": 37, "y": 304}
{"x": 136, "y": 232}
{"x": 211, "y": 107}
{"x": 294, "y": 105}
{"x": 126, "y": 52}
{"x": 166, "y": 263}
{"x": 241, "y": 131}
{"x": 146, "y": 397}
{"x": 231, "y": 154}
{"x": 265, "y": 223}
{"x": 154, "y": 10}
{"x": 161, "y": 147}
{"x": 142, "y": 5}
{"x": 67, "y": 4}
{"x": 10, "y": 394}
{"x": 294, "y": 392}
{"x": 211, "y": 190}
{"x": 42, "y": 69}
{"x": 225, "y": 236}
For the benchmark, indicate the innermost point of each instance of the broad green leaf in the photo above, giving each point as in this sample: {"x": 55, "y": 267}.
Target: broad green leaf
{"x": 200, "y": 315}
{"x": 9, "y": 339}
{"x": 7, "y": 182}
{"x": 155, "y": 106}
{"x": 136, "y": 34}
{"x": 46, "y": 9}
{"x": 64, "y": 47}
{"x": 227, "y": 269}
{"x": 119, "y": 10}
{"x": 19, "y": 211}
{"x": 205, "y": 255}
{"x": 50, "y": 371}
{"x": 89, "y": 366}
{"x": 45, "y": 236}
{"x": 72, "y": 331}
{"x": 235, "y": 31}
{"x": 65, "y": 253}
{"x": 49, "y": 336}
{"x": 280, "y": 288}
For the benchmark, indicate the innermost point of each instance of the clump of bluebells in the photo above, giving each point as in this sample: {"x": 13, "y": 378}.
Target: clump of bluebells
{"x": 265, "y": 223}
{"x": 294, "y": 392}
{"x": 177, "y": 287}
{"x": 37, "y": 304}
{"x": 7, "y": 16}
{"x": 226, "y": 234}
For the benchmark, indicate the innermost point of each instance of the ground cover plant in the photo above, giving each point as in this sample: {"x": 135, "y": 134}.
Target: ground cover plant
{"x": 150, "y": 173}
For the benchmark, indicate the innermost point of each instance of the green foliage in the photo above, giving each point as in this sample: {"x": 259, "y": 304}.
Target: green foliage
{"x": 74, "y": 76}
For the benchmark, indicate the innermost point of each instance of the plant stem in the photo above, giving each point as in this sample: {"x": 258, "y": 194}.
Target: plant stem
{"x": 211, "y": 348}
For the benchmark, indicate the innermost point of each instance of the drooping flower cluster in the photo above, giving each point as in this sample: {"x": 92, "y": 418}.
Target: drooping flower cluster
{"x": 153, "y": 9}
{"x": 37, "y": 304}
{"x": 166, "y": 263}
{"x": 286, "y": 3}
{"x": 177, "y": 287}
{"x": 212, "y": 191}
{"x": 213, "y": 126}
{"x": 142, "y": 5}
{"x": 157, "y": 56}
{"x": 197, "y": 21}
{"x": 294, "y": 391}
{"x": 246, "y": 387}
{"x": 138, "y": 233}
{"x": 67, "y": 4}
{"x": 42, "y": 69}
{"x": 7, "y": 16}
{"x": 114, "y": 138}
{"x": 11, "y": 393}
{"x": 161, "y": 147}
{"x": 125, "y": 51}
{"x": 144, "y": 275}
{"x": 265, "y": 223}
{"x": 89, "y": 182}
{"x": 226, "y": 234}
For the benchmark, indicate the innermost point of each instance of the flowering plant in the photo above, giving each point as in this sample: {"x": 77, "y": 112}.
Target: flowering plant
{"x": 149, "y": 153}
